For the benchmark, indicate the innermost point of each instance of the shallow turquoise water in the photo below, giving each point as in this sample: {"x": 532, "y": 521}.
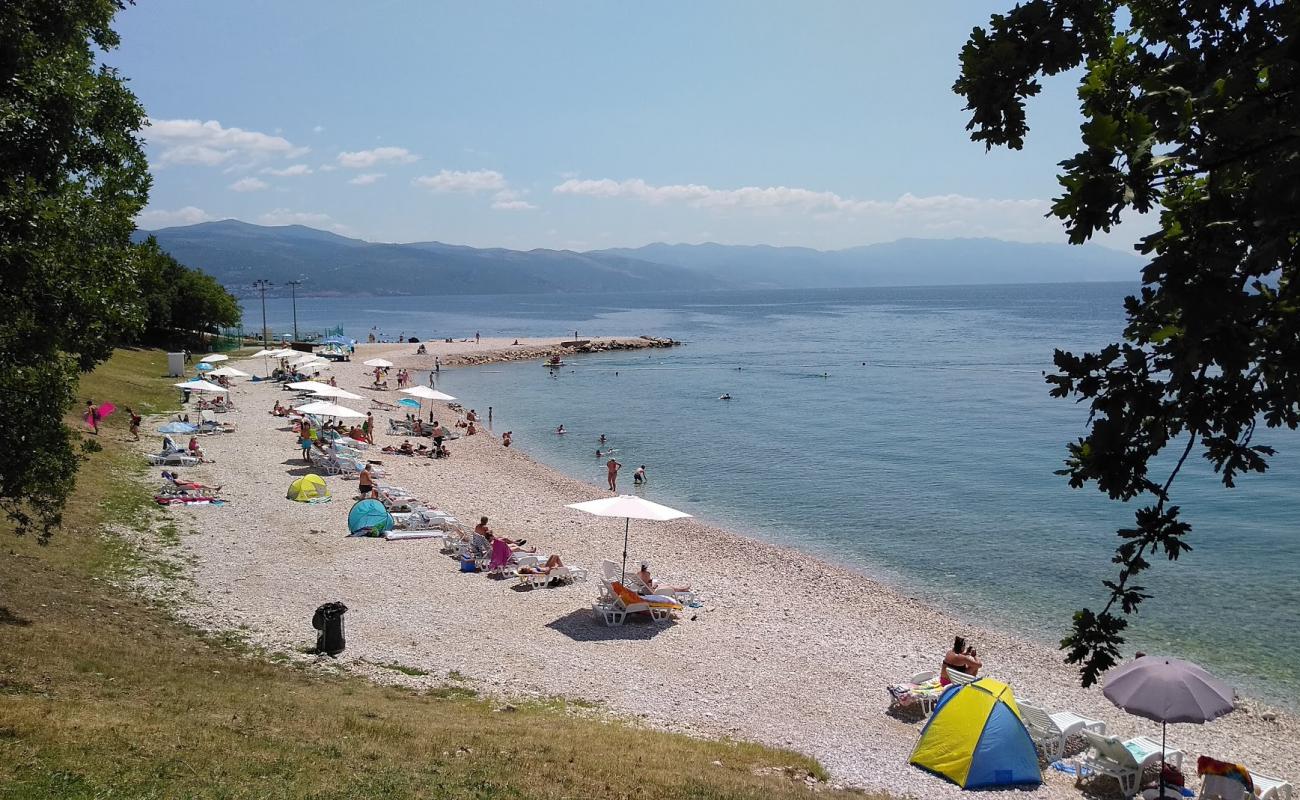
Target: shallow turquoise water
{"x": 929, "y": 465}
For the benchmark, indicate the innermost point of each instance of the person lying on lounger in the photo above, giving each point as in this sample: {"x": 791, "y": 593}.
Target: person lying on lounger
{"x": 544, "y": 569}
{"x": 482, "y": 529}
{"x": 652, "y": 586}
{"x": 175, "y": 480}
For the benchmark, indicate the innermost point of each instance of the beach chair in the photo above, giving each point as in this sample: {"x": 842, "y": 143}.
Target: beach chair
{"x": 1051, "y": 731}
{"x": 176, "y": 458}
{"x": 1125, "y": 761}
{"x": 564, "y": 574}
{"x": 637, "y": 585}
{"x": 1224, "y": 780}
{"x": 960, "y": 678}
{"x": 625, "y": 601}
{"x": 921, "y": 690}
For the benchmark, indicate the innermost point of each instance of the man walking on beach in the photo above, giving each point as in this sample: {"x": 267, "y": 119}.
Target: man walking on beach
{"x": 368, "y": 428}
{"x": 611, "y": 468}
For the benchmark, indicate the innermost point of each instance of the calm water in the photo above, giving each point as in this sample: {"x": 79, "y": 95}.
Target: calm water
{"x": 930, "y": 466}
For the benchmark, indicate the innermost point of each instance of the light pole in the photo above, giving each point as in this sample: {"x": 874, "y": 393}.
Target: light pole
{"x": 293, "y": 293}
{"x": 262, "y": 285}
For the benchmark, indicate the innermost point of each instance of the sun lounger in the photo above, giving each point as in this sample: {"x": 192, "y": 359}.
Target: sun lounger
{"x": 424, "y": 519}
{"x": 921, "y": 690}
{"x": 637, "y": 585}
{"x": 1051, "y": 731}
{"x": 563, "y": 574}
{"x": 1224, "y": 780}
{"x": 960, "y": 678}
{"x": 1125, "y": 761}
{"x": 625, "y": 601}
{"x": 176, "y": 458}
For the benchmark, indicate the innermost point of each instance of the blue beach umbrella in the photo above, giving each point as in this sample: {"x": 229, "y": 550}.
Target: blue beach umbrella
{"x": 178, "y": 427}
{"x": 203, "y": 366}
{"x": 408, "y": 402}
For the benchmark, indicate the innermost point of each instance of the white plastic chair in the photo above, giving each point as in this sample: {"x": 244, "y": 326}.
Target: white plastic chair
{"x": 1124, "y": 761}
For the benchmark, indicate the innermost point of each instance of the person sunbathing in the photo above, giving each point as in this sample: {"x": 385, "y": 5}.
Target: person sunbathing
{"x": 195, "y": 450}
{"x": 482, "y": 529}
{"x": 471, "y": 430}
{"x": 961, "y": 659}
{"x": 543, "y": 569}
{"x": 174, "y": 479}
{"x": 279, "y": 410}
{"x": 652, "y": 586}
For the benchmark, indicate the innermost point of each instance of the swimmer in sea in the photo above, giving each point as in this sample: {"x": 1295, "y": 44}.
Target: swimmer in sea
{"x": 725, "y": 397}
{"x": 561, "y": 429}
{"x": 602, "y": 438}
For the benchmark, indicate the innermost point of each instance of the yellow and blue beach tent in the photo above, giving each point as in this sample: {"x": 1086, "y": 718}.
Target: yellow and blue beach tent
{"x": 309, "y": 488}
{"x": 976, "y": 739}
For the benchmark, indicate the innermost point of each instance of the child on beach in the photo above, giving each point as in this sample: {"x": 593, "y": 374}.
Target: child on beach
{"x": 136, "y": 419}
{"x": 505, "y": 438}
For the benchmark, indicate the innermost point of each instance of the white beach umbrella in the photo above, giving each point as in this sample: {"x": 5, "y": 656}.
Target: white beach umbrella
{"x": 201, "y": 386}
{"x": 629, "y": 507}
{"x": 324, "y": 409}
{"x": 378, "y": 362}
{"x": 425, "y": 393}
{"x": 229, "y": 372}
{"x": 213, "y": 358}
{"x": 264, "y": 353}
{"x": 323, "y": 390}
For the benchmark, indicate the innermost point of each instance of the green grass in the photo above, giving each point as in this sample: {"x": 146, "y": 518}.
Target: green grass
{"x": 103, "y": 695}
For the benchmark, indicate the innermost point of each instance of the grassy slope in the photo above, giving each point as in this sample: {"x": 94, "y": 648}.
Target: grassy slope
{"x": 102, "y": 695}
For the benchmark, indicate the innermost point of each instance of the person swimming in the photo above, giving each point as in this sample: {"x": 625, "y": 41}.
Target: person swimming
{"x": 726, "y": 396}
{"x": 561, "y": 429}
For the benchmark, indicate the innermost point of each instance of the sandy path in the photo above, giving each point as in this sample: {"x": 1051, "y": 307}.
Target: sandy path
{"x": 788, "y": 650}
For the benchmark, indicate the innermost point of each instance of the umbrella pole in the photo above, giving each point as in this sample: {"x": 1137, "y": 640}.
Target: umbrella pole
{"x": 1163, "y": 726}
{"x": 623, "y": 576}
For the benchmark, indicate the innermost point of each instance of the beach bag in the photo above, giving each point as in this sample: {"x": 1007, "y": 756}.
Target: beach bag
{"x": 468, "y": 564}
{"x": 328, "y": 622}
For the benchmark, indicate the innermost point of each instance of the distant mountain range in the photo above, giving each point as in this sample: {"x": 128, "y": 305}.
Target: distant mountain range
{"x": 238, "y": 253}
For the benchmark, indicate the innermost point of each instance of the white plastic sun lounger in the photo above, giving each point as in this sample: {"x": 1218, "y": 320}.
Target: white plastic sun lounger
{"x": 1125, "y": 761}
{"x": 1051, "y": 731}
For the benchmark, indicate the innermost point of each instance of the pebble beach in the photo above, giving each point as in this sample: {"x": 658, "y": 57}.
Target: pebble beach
{"x": 786, "y": 649}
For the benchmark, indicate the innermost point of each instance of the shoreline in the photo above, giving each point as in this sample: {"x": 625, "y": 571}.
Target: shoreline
{"x": 788, "y": 650}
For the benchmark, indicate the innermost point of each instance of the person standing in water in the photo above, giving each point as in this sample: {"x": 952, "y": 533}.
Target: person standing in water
{"x": 611, "y": 470}
{"x": 638, "y": 477}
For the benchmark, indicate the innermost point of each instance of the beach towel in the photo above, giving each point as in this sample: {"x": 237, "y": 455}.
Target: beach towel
{"x": 1206, "y": 766}
{"x": 501, "y": 555}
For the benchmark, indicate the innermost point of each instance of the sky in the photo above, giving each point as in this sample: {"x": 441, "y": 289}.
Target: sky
{"x": 584, "y": 125}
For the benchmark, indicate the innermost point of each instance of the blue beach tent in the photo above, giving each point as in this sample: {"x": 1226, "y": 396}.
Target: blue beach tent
{"x": 976, "y": 739}
{"x": 369, "y": 518}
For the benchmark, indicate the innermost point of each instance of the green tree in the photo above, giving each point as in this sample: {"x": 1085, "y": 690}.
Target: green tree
{"x": 1190, "y": 108}
{"x": 180, "y": 303}
{"x": 72, "y": 178}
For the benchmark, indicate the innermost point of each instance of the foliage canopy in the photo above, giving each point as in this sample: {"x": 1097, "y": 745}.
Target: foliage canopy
{"x": 1190, "y": 107}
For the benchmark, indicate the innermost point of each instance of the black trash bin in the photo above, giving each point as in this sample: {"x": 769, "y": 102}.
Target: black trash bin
{"x": 328, "y": 622}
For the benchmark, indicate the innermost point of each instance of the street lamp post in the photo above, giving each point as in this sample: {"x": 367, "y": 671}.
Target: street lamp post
{"x": 293, "y": 293}
{"x": 262, "y": 285}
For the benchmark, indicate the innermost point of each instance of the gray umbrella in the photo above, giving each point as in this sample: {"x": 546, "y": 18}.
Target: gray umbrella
{"x": 1168, "y": 690}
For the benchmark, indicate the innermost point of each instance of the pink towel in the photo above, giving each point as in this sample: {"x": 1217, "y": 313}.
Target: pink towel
{"x": 501, "y": 554}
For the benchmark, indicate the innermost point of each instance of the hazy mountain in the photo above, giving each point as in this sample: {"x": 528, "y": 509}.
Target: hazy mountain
{"x": 906, "y": 262}
{"x": 238, "y": 253}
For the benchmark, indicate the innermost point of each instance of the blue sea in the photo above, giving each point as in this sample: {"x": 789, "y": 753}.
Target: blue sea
{"x": 906, "y": 432}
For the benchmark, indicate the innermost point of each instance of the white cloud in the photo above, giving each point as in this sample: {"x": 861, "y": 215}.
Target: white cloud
{"x": 486, "y": 180}
{"x": 293, "y": 170}
{"x": 249, "y": 185}
{"x": 191, "y": 141}
{"x": 360, "y": 159}
{"x": 366, "y": 178}
{"x": 326, "y": 168}
{"x": 318, "y": 129}
{"x": 284, "y": 216}
{"x": 511, "y": 200}
{"x": 154, "y": 218}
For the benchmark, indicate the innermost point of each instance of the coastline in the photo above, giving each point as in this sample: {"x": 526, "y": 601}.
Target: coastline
{"x": 788, "y": 650}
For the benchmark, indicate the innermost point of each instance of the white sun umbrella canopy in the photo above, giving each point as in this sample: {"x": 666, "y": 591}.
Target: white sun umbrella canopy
{"x": 425, "y": 393}
{"x": 201, "y": 386}
{"x": 378, "y": 362}
{"x": 323, "y": 390}
{"x": 213, "y": 358}
{"x": 322, "y": 408}
{"x": 264, "y": 353}
{"x": 629, "y": 507}
{"x": 229, "y": 372}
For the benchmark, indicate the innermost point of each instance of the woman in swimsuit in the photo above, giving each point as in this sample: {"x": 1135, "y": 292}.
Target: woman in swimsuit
{"x": 959, "y": 659}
